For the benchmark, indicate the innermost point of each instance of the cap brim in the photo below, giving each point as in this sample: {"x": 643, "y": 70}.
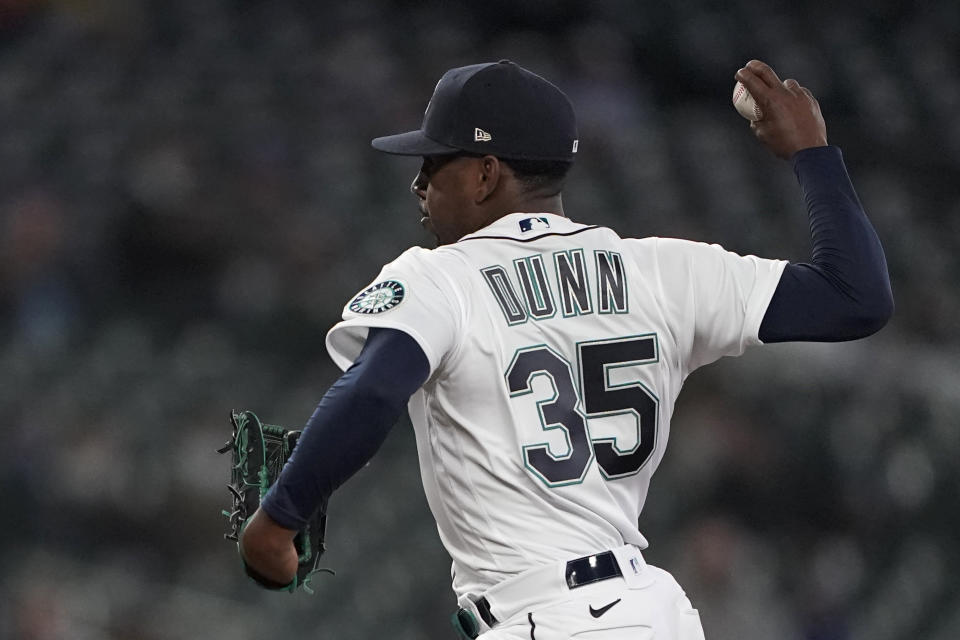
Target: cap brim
{"x": 411, "y": 143}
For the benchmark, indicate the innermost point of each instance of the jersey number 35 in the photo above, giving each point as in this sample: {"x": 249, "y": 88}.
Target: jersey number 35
{"x": 601, "y": 398}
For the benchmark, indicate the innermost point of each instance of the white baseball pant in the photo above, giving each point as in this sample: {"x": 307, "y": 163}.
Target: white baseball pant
{"x": 646, "y": 603}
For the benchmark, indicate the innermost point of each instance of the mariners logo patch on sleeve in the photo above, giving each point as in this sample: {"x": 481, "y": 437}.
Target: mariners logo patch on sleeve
{"x": 379, "y": 297}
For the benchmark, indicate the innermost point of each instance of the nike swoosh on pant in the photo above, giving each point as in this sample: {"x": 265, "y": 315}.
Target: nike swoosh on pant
{"x": 596, "y": 613}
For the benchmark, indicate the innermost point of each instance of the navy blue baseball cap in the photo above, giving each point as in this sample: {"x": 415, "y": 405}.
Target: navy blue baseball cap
{"x": 496, "y": 108}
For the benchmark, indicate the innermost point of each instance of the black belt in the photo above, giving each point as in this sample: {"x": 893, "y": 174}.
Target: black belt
{"x": 580, "y": 572}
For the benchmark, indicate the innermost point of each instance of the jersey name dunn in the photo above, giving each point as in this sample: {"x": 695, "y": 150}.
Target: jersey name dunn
{"x": 539, "y": 285}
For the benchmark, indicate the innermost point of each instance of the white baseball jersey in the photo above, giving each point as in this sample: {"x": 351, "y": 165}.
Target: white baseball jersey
{"x": 556, "y": 353}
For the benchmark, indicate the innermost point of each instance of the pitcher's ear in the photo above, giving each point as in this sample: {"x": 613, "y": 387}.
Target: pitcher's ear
{"x": 489, "y": 174}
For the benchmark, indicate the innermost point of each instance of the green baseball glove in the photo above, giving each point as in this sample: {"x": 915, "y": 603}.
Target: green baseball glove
{"x": 258, "y": 453}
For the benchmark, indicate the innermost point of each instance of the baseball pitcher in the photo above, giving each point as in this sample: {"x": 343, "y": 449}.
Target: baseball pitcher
{"x": 540, "y": 357}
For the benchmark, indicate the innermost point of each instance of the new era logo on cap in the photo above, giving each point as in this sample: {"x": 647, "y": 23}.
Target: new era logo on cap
{"x": 479, "y": 135}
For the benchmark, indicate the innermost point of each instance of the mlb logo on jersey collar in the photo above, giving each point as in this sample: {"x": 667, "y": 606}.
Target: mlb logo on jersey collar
{"x": 529, "y": 224}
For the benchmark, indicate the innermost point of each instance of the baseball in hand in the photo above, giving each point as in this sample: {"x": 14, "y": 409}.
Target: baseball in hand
{"x": 745, "y": 104}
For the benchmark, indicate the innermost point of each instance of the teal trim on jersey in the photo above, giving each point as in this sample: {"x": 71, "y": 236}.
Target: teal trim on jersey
{"x": 530, "y": 280}
{"x": 543, "y": 426}
{"x": 570, "y": 256}
{"x": 508, "y": 291}
{"x": 609, "y": 386}
{"x": 613, "y": 259}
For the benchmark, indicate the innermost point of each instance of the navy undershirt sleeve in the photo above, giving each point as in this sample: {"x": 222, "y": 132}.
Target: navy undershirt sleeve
{"x": 843, "y": 293}
{"x": 348, "y": 426}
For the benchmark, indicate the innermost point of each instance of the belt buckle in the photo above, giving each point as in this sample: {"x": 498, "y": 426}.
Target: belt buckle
{"x": 590, "y": 569}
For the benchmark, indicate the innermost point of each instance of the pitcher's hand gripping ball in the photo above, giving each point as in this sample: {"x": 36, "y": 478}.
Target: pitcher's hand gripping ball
{"x": 258, "y": 453}
{"x": 745, "y": 104}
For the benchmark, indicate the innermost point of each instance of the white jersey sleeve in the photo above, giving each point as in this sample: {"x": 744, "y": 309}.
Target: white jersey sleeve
{"x": 713, "y": 298}
{"x": 405, "y": 296}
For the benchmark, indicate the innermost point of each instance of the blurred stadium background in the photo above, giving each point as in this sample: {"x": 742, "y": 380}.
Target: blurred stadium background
{"x": 188, "y": 197}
